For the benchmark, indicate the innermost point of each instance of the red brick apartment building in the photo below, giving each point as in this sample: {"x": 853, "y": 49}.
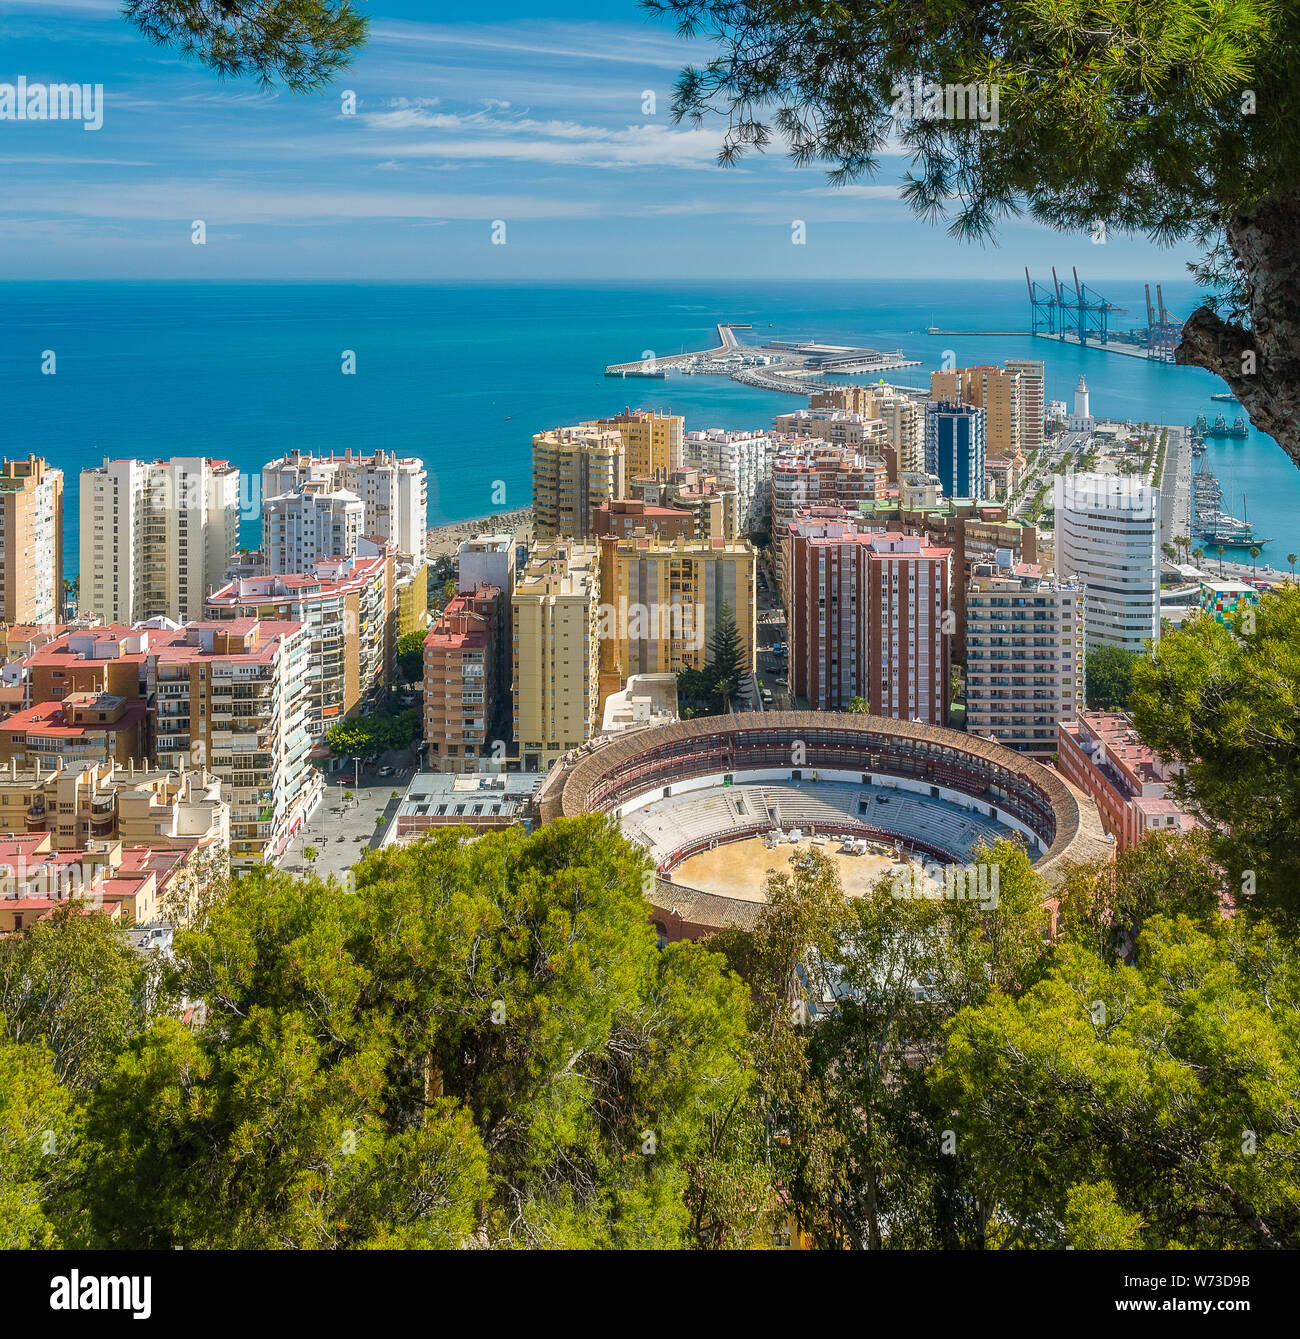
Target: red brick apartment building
{"x": 867, "y": 618}
{"x": 1102, "y": 755}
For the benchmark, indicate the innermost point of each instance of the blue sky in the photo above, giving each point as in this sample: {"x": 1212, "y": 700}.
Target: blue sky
{"x": 532, "y": 115}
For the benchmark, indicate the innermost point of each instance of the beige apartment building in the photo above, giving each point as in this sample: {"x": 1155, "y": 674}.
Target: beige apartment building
{"x": 662, "y": 599}
{"x": 574, "y": 471}
{"x": 555, "y": 634}
{"x": 156, "y": 536}
{"x": 31, "y": 542}
{"x": 233, "y": 697}
{"x": 652, "y": 441}
{"x": 1024, "y": 656}
{"x": 850, "y": 399}
{"x": 904, "y": 430}
{"x": 349, "y": 607}
{"x": 101, "y": 801}
{"x": 1032, "y": 374}
{"x": 989, "y": 388}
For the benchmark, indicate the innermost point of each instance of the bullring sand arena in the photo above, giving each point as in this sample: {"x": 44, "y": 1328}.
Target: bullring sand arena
{"x": 717, "y": 802}
{"x": 740, "y": 869}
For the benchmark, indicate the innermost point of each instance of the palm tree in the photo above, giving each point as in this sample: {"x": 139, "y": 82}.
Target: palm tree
{"x": 1198, "y": 556}
{"x": 1219, "y": 549}
{"x": 1255, "y": 551}
{"x": 1292, "y": 559}
{"x": 1182, "y": 543}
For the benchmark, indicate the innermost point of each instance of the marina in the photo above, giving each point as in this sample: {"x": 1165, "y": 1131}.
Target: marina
{"x": 1211, "y": 523}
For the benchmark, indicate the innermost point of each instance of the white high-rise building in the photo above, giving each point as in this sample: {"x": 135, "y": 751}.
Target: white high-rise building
{"x": 1108, "y": 536}
{"x": 314, "y": 522}
{"x": 156, "y": 536}
{"x": 742, "y": 459}
{"x": 392, "y": 489}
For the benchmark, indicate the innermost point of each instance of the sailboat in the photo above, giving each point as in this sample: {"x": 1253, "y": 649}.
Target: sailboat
{"x": 1232, "y": 533}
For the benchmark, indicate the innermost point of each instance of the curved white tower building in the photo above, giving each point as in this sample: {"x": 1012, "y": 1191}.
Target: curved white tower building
{"x": 1108, "y": 535}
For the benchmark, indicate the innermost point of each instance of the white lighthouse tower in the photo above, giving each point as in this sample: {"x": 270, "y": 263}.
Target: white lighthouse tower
{"x": 1081, "y": 419}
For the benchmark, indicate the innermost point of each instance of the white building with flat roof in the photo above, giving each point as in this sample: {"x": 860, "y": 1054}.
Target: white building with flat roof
{"x": 393, "y": 491}
{"x": 156, "y": 536}
{"x": 315, "y": 522}
{"x": 742, "y": 459}
{"x": 486, "y": 560}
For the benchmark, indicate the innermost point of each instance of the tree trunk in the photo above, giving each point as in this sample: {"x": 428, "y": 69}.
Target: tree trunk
{"x": 1261, "y": 364}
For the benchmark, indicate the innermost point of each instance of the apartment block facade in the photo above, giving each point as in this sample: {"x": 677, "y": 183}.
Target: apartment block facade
{"x": 574, "y": 471}
{"x": 156, "y": 536}
{"x": 392, "y": 489}
{"x": 31, "y": 542}
{"x": 313, "y": 521}
{"x": 1108, "y": 536}
{"x": 461, "y": 683}
{"x": 663, "y": 600}
{"x": 991, "y": 389}
{"x": 1024, "y": 656}
{"x": 955, "y": 447}
{"x": 1032, "y": 374}
{"x": 232, "y": 696}
{"x": 867, "y": 618}
{"x": 817, "y": 475}
{"x": 741, "y": 459}
{"x": 652, "y": 441}
{"x": 349, "y": 608}
{"x": 101, "y": 801}
{"x": 80, "y": 728}
{"x": 555, "y": 634}
{"x": 1102, "y": 754}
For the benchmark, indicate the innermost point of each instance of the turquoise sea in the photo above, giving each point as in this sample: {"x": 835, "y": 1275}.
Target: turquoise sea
{"x": 463, "y": 374}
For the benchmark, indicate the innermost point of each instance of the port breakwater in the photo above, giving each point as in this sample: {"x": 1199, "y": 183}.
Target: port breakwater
{"x": 795, "y": 367}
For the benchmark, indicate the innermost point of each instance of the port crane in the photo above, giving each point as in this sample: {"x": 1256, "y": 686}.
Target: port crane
{"x": 1085, "y": 314}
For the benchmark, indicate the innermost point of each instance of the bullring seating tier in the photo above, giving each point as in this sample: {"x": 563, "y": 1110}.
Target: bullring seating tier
{"x": 669, "y": 825}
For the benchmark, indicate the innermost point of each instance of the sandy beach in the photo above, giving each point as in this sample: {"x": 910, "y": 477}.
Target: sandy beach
{"x": 447, "y": 538}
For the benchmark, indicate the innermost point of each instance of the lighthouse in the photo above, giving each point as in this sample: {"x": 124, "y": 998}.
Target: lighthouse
{"x": 1081, "y": 419}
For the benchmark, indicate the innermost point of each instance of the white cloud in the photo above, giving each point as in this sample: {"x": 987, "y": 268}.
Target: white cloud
{"x": 487, "y": 136}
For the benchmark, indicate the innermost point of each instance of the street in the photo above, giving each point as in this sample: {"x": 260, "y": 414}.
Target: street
{"x": 341, "y": 830}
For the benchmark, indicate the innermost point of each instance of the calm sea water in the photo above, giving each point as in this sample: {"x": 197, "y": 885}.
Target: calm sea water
{"x": 463, "y": 374}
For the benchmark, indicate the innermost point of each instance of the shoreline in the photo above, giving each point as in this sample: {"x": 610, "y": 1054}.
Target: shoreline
{"x": 441, "y": 540}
